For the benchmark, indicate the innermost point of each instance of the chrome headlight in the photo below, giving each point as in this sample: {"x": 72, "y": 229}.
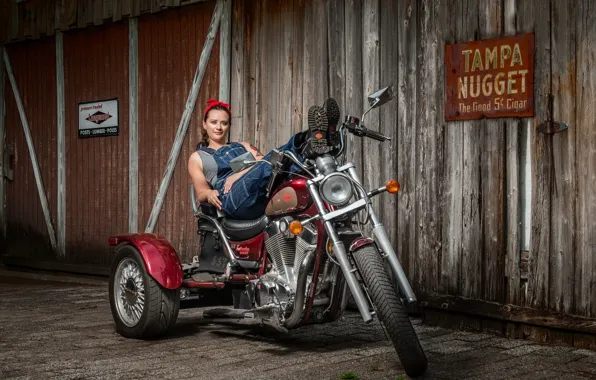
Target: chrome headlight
{"x": 336, "y": 189}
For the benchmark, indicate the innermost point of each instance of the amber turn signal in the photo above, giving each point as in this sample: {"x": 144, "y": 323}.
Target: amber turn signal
{"x": 392, "y": 186}
{"x": 296, "y": 227}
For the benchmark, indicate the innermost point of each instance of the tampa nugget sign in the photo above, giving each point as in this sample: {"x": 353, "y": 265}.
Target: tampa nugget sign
{"x": 490, "y": 78}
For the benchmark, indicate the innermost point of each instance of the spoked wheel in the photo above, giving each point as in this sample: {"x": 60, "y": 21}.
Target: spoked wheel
{"x": 390, "y": 310}
{"x": 141, "y": 307}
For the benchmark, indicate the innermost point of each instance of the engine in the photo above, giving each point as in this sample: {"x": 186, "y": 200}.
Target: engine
{"x": 287, "y": 253}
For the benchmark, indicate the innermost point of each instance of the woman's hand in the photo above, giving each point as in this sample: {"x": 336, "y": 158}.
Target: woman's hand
{"x": 230, "y": 181}
{"x": 213, "y": 198}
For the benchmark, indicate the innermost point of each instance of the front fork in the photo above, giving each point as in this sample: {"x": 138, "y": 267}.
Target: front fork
{"x": 342, "y": 256}
{"x": 385, "y": 244}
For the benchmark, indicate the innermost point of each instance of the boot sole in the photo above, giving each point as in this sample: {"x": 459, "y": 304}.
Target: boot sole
{"x": 333, "y": 114}
{"x": 317, "y": 124}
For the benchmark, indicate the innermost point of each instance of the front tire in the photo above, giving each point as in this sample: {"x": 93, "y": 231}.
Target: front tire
{"x": 141, "y": 308}
{"x": 390, "y": 310}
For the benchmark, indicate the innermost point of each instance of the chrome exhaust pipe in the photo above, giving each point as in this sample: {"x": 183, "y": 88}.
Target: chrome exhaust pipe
{"x": 293, "y": 320}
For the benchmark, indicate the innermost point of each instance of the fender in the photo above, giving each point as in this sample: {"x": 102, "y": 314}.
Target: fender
{"x": 160, "y": 258}
{"x": 360, "y": 242}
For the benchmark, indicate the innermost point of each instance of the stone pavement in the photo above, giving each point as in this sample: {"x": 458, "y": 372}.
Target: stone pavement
{"x": 64, "y": 331}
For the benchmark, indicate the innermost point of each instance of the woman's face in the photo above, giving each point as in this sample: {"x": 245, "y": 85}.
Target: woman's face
{"x": 217, "y": 125}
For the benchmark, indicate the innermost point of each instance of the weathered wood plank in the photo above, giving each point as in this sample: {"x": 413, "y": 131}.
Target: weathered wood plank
{"x": 14, "y": 21}
{"x": 388, "y": 74}
{"x": 337, "y": 53}
{"x": 251, "y": 73}
{"x": 512, "y": 259}
{"x": 314, "y": 87}
{"x": 297, "y": 65}
{"x": 25, "y": 124}
{"x": 536, "y": 16}
{"x": 145, "y": 6}
{"x": 98, "y": 12}
{"x": 270, "y": 75}
{"x": 406, "y": 92}
{"x": 585, "y": 286}
{"x": 354, "y": 90}
{"x": 429, "y": 162}
{"x": 453, "y": 175}
{"x": 3, "y": 94}
{"x": 118, "y": 8}
{"x": 81, "y": 8}
{"x": 510, "y": 313}
{"x": 155, "y": 6}
{"x": 107, "y": 10}
{"x": 471, "y": 260}
{"x": 563, "y": 190}
{"x": 133, "y": 116}
{"x": 492, "y": 177}
{"x": 285, "y": 100}
{"x": 61, "y": 149}
{"x": 225, "y": 51}
{"x": 238, "y": 75}
{"x": 184, "y": 121}
{"x": 70, "y": 14}
{"x": 371, "y": 77}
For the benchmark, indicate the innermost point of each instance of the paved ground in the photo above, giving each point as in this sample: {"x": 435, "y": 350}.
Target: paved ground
{"x": 64, "y": 331}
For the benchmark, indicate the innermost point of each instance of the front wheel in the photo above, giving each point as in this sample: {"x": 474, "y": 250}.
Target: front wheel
{"x": 141, "y": 307}
{"x": 390, "y": 310}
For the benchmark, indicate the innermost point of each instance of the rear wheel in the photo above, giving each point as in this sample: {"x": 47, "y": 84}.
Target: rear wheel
{"x": 141, "y": 307}
{"x": 390, "y": 310}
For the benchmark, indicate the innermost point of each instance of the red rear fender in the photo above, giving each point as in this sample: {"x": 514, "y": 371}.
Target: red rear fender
{"x": 160, "y": 258}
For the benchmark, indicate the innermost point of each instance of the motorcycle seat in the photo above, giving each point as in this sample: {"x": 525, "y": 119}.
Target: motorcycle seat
{"x": 239, "y": 230}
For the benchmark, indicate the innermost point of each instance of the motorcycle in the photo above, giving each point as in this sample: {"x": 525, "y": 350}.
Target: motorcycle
{"x": 296, "y": 265}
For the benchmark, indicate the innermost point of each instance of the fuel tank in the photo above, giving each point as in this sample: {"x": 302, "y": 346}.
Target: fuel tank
{"x": 290, "y": 197}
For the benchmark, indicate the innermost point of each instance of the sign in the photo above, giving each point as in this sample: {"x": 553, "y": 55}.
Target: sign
{"x": 97, "y": 119}
{"x": 490, "y": 78}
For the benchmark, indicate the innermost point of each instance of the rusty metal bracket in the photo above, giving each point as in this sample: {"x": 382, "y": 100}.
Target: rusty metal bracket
{"x": 550, "y": 127}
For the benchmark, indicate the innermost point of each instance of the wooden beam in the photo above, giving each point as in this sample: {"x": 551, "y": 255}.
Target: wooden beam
{"x": 61, "y": 153}
{"x": 133, "y": 136}
{"x": 2, "y": 143}
{"x": 34, "y": 163}
{"x": 225, "y": 51}
{"x": 508, "y": 312}
{"x": 184, "y": 121}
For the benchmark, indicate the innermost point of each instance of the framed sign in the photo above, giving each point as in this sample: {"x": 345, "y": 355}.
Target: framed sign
{"x": 97, "y": 119}
{"x": 490, "y": 78}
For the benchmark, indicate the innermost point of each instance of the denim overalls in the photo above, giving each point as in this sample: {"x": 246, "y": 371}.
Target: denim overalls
{"x": 246, "y": 198}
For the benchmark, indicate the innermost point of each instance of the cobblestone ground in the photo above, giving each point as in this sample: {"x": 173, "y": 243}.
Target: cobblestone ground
{"x": 61, "y": 331}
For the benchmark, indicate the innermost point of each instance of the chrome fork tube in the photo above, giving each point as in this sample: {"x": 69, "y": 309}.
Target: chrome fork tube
{"x": 385, "y": 244}
{"x": 342, "y": 257}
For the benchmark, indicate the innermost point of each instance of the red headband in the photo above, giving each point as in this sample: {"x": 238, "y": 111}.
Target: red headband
{"x": 212, "y": 103}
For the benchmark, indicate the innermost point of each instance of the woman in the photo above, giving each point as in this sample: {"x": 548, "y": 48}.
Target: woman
{"x": 242, "y": 195}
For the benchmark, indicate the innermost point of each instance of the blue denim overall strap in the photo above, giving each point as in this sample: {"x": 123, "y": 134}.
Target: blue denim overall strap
{"x": 222, "y": 158}
{"x": 246, "y": 199}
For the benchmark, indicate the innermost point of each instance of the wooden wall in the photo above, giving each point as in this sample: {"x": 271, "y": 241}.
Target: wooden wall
{"x": 456, "y": 221}
{"x": 33, "y": 18}
{"x": 26, "y": 229}
{"x": 170, "y": 44}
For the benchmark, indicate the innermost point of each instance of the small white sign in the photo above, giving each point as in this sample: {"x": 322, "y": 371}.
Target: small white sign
{"x": 98, "y": 118}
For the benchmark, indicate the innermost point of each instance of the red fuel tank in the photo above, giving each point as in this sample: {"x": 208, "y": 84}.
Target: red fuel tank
{"x": 292, "y": 196}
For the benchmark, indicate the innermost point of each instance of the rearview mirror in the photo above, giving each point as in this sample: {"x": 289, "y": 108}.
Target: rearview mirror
{"x": 243, "y": 161}
{"x": 380, "y": 97}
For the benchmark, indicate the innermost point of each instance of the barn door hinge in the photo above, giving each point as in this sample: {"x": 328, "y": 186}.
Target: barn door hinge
{"x": 8, "y": 163}
{"x": 549, "y": 126}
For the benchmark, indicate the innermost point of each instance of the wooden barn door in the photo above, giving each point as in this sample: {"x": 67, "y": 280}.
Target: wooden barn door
{"x": 170, "y": 44}
{"x": 96, "y": 68}
{"x": 27, "y": 231}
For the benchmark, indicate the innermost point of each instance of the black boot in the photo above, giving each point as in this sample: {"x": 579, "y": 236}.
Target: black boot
{"x": 333, "y": 114}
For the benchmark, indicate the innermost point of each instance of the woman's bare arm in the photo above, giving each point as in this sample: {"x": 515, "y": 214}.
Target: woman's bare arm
{"x": 202, "y": 188}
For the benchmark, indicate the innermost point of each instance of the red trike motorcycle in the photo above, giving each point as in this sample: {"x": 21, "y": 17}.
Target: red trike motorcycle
{"x": 296, "y": 265}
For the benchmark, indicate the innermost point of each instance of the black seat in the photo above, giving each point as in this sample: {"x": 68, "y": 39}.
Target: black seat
{"x": 239, "y": 230}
